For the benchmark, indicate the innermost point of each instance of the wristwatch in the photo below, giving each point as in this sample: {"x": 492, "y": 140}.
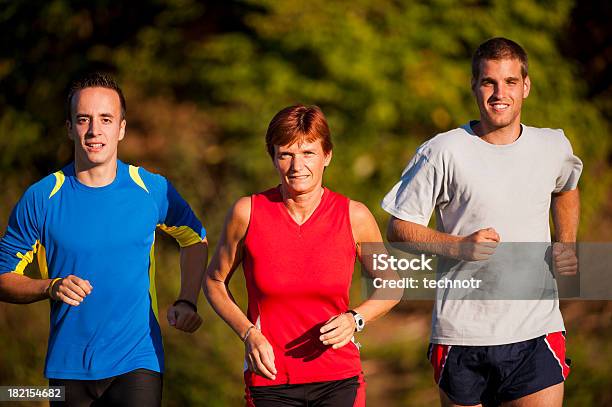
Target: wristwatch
{"x": 359, "y": 321}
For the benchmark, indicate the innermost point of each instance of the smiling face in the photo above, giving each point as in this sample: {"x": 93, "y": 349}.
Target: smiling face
{"x": 301, "y": 166}
{"x": 500, "y": 89}
{"x": 96, "y": 126}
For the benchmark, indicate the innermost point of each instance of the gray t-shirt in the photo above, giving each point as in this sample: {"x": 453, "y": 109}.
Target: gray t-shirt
{"x": 473, "y": 184}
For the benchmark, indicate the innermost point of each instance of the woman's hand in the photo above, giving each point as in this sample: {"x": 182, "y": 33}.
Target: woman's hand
{"x": 338, "y": 330}
{"x": 259, "y": 355}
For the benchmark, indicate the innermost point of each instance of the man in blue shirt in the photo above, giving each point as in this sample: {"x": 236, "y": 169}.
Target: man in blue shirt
{"x": 92, "y": 227}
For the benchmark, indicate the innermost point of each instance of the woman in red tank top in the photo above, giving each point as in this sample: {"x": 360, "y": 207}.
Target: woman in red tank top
{"x": 297, "y": 243}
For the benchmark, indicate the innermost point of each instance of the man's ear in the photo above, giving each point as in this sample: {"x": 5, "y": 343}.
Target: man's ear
{"x": 122, "y": 129}
{"x": 526, "y": 86}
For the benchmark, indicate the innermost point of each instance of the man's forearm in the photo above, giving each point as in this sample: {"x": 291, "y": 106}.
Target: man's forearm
{"x": 419, "y": 238}
{"x": 193, "y": 265}
{"x": 566, "y": 215}
{"x": 19, "y": 289}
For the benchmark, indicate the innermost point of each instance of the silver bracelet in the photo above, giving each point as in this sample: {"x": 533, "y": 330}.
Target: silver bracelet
{"x": 247, "y": 333}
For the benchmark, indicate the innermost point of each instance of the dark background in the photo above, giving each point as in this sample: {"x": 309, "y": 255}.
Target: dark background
{"x": 203, "y": 79}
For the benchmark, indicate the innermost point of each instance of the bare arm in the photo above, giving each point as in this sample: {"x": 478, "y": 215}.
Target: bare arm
{"x": 225, "y": 261}
{"x": 566, "y": 215}
{"x": 339, "y": 330}
{"x": 366, "y": 231}
{"x": 227, "y": 258}
{"x": 193, "y": 264}
{"x": 418, "y": 238}
{"x": 19, "y": 289}
{"x": 421, "y": 238}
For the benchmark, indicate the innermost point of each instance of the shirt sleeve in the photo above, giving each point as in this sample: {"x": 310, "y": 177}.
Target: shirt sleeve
{"x": 21, "y": 238}
{"x": 419, "y": 190}
{"x": 178, "y": 220}
{"x": 571, "y": 168}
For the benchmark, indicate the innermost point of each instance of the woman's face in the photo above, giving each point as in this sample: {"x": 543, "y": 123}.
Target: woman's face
{"x": 301, "y": 165}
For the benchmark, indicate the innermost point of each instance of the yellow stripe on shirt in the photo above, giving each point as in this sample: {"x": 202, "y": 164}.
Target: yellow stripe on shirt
{"x": 184, "y": 235}
{"x": 136, "y": 177}
{"x": 25, "y": 259}
{"x": 59, "y": 181}
{"x": 152, "y": 289}
{"x": 41, "y": 257}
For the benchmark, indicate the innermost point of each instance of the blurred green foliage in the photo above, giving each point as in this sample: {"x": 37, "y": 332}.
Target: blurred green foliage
{"x": 202, "y": 81}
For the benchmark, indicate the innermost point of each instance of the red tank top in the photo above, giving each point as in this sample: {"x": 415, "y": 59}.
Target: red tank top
{"x": 298, "y": 276}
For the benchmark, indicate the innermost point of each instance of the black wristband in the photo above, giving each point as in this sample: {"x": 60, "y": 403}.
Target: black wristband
{"x": 191, "y": 304}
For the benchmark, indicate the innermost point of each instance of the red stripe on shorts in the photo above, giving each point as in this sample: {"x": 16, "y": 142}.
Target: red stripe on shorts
{"x": 556, "y": 344}
{"x": 360, "y": 397}
{"x": 437, "y": 357}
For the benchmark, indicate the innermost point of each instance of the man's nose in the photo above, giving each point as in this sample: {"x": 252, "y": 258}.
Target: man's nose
{"x": 94, "y": 128}
{"x": 499, "y": 91}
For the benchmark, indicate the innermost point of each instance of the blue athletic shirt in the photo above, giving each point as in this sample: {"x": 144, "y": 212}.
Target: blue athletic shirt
{"x": 105, "y": 235}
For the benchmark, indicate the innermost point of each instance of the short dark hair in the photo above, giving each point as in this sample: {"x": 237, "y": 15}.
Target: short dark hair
{"x": 496, "y": 49}
{"x": 299, "y": 124}
{"x": 93, "y": 80}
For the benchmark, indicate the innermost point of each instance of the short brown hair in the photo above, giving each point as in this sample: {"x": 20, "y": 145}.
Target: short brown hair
{"x": 298, "y": 124}
{"x": 496, "y": 49}
{"x": 93, "y": 80}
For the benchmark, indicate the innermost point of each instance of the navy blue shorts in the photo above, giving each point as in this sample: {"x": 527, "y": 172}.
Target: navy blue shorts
{"x": 471, "y": 375}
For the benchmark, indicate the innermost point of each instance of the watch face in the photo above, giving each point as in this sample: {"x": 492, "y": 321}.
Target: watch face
{"x": 359, "y": 322}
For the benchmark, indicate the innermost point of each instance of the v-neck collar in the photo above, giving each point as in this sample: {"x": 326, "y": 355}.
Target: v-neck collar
{"x": 285, "y": 212}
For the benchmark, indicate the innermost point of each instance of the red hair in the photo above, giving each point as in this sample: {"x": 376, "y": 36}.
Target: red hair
{"x": 298, "y": 124}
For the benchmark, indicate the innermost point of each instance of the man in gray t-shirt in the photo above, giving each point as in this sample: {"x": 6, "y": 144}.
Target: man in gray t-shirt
{"x": 491, "y": 181}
